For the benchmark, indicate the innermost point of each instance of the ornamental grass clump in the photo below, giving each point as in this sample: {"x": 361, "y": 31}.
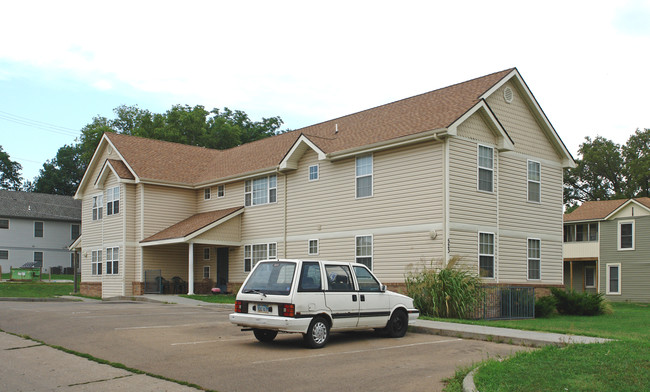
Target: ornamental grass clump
{"x": 449, "y": 292}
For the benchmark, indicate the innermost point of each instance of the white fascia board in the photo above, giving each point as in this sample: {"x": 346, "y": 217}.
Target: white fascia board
{"x": 286, "y": 163}
{"x": 76, "y": 244}
{"x": 631, "y": 201}
{"x": 504, "y": 143}
{"x": 435, "y": 134}
{"x": 567, "y": 159}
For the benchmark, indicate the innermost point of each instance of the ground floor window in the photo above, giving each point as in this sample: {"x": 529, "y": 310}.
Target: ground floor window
{"x": 112, "y": 261}
{"x": 256, "y": 252}
{"x": 590, "y": 277}
{"x": 534, "y": 259}
{"x": 614, "y": 278}
{"x": 363, "y": 250}
{"x": 96, "y": 262}
{"x": 38, "y": 259}
{"x": 206, "y": 272}
{"x": 4, "y": 254}
{"x": 313, "y": 247}
{"x": 486, "y": 255}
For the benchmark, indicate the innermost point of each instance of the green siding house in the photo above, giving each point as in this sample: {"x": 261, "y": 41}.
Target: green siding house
{"x": 607, "y": 249}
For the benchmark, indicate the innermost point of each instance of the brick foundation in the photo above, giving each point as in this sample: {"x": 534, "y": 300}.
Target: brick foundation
{"x": 203, "y": 286}
{"x": 137, "y": 288}
{"x": 91, "y": 289}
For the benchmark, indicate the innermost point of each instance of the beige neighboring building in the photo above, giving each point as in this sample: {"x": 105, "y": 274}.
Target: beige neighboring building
{"x": 473, "y": 169}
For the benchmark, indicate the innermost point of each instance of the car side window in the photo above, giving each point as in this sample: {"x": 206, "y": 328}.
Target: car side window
{"x": 366, "y": 281}
{"x": 339, "y": 278}
{"x": 310, "y": 279}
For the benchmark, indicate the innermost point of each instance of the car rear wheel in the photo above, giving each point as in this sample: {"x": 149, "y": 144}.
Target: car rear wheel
{"x": 265, "y": 335}
{"x": 318, "y": 333}
{"x": 398, "y": 324}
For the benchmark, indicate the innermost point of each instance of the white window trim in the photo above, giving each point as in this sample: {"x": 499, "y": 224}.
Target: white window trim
{"x": 8, "y": 224}
{"x": 204, "y": 267}
{"x": 478, "y": 167}
{"x": 100, "y": 261}
{"x": 119, "y": 267}
{"x": 494, "y": 257}
{"x": 100, "y": 207}
{"x": 268, "y": 253}
{"x": 207, "y": 193}
{"x": 6, "y": 250}
{"x": 111, "y": 192}
{"x": 372, "y": 250}
{"x": 620, "y": 280}
{"x": 529, "y": 258}
{"x": 317, "y": 172}
{"x": 268, "y": 191}
{"x": 371, "y": 175}
{"x": 309, "y": 247}
{"x": 42, "y": 231}
{"x": 618, "y": 237}
{"x": 42, "y": 257}
{"x": 208, "y": 252}
{"x": 594, "y": 269}
{"x": 535, "y": 181}
{"x": 221, "y": 191}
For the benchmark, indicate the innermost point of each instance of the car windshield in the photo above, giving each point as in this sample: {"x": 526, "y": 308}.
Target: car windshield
{"x": 271, "y": 278}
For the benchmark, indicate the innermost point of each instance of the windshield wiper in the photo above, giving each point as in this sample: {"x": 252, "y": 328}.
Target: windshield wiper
{"x": 248, "y": 291}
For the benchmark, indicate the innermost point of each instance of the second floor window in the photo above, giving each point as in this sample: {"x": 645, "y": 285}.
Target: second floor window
{"x": 626, "y": 235}
{"x": 261, "y": 191}
{"x": 38, "y": 229}
{"x": 534, "y": 182}
{"x": 313, "y": 172}
{"x": 98, "y": 207}
{"x": 364, "y": 176}
{"x": 113, "y": 201}
{"x": 206, "y": 194}
{"x": 221, "y": 191}
{"x": 581, "y": 232}
{"x": 4, "y": 224}
{"x": 485, "y": 168}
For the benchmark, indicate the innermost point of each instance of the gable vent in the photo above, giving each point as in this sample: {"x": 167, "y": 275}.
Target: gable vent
{"x": 508, "y": 95}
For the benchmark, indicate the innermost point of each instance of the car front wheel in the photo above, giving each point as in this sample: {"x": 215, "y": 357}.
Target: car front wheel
{"x": 318, "y": 333}
{"x": 398, "y": 324}
{"x": 265, "y": 335}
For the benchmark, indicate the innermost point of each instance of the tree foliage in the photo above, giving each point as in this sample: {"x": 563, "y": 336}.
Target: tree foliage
{"x": 606, "y": 170}
{"x": 218, "y": 129}
{"x": 10, "y": 177}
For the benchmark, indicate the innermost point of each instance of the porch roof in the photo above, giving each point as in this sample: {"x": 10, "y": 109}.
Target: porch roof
{"x": 191, "y": 227}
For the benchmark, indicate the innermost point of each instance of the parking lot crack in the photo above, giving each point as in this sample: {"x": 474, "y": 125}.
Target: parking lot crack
{"x": 22, "y": 347}
{"x": 103, "y": 380}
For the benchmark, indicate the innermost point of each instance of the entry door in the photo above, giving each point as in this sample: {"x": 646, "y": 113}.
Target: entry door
{"x": 222, "y": 268}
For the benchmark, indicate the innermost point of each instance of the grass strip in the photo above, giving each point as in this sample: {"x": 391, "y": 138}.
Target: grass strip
{"x": 218, "y": 299}
{"x": 34, "y": 289}
{"x": 112, "y": 364}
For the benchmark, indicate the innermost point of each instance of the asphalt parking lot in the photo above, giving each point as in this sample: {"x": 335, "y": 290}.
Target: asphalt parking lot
{"x": 197, "y": 344}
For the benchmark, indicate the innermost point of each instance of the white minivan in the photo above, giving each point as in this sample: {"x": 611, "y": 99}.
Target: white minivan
{"x": 316, "y": 297}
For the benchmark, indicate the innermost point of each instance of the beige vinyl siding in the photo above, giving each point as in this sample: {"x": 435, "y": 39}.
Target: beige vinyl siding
{"x": 113, "y": 230}
{"x": 464, "y": 244}
{"x": 172, "y": 260}
{"x": 262, "y": 223}
{"x": 518, "y": 121}
{"x": 199, "y": 262}
{"x": 513, "y": 261}
{"x": 166, "y": 206}
{"x": 138, "y": 222}
{"x": 476, "y": 129}
{"x": 229, "y": 231}
{"x": 234, "y": 197}
{"x": 112, "y": 286}
{"x": 468, "y": 205}
{"x": 128, "y": 264}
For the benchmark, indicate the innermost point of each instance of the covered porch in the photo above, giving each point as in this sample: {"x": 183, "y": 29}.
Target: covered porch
{"x": 581, "y": 274}
{"x": 191, "y": 256}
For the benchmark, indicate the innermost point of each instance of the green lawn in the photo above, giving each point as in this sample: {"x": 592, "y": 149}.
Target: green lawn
{"x": 220, "y": 298}
{"x": 622, "y": 365}
{"x": 34, "y": 290}
{"x": 7, "y": 275}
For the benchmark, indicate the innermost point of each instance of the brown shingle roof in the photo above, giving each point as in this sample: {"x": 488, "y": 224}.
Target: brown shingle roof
{"x": 190, "y": 225}
{"x": 595, "y": 210}
{"x": 121, "y": 169}
{"x": 171, "y": 162}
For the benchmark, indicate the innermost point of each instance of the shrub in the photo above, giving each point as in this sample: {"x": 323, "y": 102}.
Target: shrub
{"x": 545, "y": 306}
{"x": 445, "y": 292}
{"x": 571, "y": 302}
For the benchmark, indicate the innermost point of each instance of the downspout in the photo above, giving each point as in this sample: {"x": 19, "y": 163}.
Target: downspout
{"x": 447, "y": 240}
{"x": 498, "y": 233}
{"x": 286, "y": 196}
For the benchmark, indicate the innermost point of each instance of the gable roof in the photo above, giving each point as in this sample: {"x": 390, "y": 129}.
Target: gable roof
{"x": 601, "y": 209}
{"x": 429, "y": 114}
{"x": 30, "y": 205}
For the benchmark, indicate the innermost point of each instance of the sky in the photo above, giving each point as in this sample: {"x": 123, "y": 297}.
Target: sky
{"x": 63, "y": 63}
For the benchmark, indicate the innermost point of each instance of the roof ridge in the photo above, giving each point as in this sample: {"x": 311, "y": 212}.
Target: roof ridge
{"x": 115, "y": 134}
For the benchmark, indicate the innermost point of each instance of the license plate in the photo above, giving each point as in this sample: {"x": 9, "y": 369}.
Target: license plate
{"x": 261, "y": 308}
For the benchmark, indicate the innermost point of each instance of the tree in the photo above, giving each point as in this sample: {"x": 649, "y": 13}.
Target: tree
{"x": 599, "y": 175}
{"x": 636, "y": 153}
{"x": 61, "y": 175}
{"x": 10, "y": 177}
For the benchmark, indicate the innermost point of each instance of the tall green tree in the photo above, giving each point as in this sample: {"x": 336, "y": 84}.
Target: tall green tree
{"x": 10, "y": 177}
{"x": 636, "y": 153}
{"x": 62, "y": 174}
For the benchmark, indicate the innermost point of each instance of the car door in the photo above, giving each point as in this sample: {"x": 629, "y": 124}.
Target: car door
{"x": 374, "y": 305}
{"x": 341, "y": 297}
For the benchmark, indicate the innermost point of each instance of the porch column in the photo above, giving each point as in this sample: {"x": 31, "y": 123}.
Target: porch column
{"x": 571, "y": 273}
{"x": 190, "y": 275}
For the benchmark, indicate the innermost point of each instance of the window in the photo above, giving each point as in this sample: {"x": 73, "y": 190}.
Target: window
{"x": 38, "y": 229}
{"x": 310, "y": 279}
{"x": 112, "y": 261}
{"x": 590, "y": 277}
{"x": 363, "y": 250}
{"x": 313, "y": 247}
{"x": 4, "y": 224}
{"x": 206, "y": 272}
{"x": 113, "y": 201}
{"x": 257, "y": 252}
{"x": 486, "y": 255}
{"x": 366, "y": 281}
{"x": 338, "y": 278}
{"x": 4, "y": 254}
{"x": 38, "y": 259}
{"x": 206, "y": 194}
{"x": 581, "y": 232}
{"x": 74, "y": 231}
{"x": 206, "y": 253}
{"x": 485, "y": 168}
{"x": 534, "y": 259}
{"x": 593, "y": 232}
{"x": 98, "y": 207}
{"x": 313, "y": 172}
{"x": 364, "y": 176}
{"x": 221, "y": 191}
{"x": 96, "y": 262}
{"x": 614, "y": 278}
{"x": 626, "y": 235}
{"x": 534, "y": 182}
{"x": 568, "y": 233}
{"x": 260, "y": 191}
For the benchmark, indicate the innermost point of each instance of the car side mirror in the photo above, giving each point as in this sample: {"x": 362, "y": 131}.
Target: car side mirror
{"x": 382, "y": 288}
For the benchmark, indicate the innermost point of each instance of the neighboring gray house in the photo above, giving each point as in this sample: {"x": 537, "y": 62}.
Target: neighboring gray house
{"x": 37, "y": 227}
{"x": 607, "y": 249}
